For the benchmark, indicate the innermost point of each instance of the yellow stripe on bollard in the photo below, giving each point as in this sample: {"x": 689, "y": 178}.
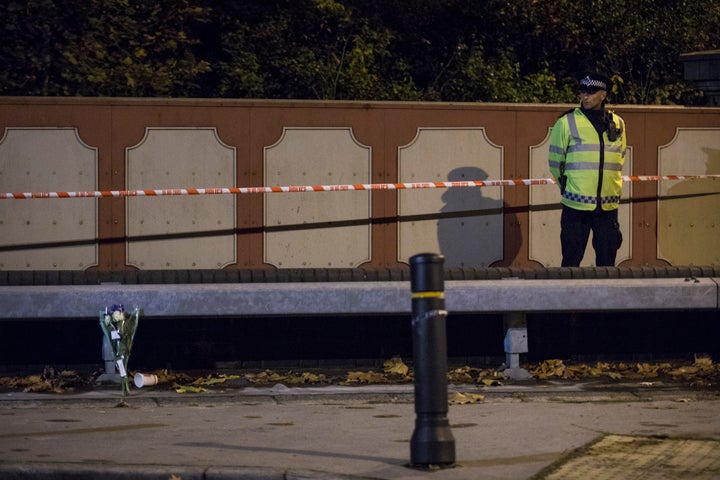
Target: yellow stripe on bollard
{"x": 428, "y": 295}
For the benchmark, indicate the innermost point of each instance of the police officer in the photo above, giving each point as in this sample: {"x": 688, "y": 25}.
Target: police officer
{"x": 587, "y": 152}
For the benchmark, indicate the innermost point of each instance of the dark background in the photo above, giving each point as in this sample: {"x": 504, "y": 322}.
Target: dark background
{"x": 357, "y": 341}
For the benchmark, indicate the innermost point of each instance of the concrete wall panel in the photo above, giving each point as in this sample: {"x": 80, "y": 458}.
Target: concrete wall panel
{"x": 464, "y": 224}
{"x": 318, "y": 229}
{"x": 180, "y": 232}
{"x": 689, "y": 210}
{"x": 47, "y": 234}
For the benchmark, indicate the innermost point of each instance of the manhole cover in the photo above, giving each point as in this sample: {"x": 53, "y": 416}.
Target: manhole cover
{"x": 649, "y": 458}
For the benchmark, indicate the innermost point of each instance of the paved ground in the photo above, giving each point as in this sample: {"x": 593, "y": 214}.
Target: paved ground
{"x": 332, "y": 432}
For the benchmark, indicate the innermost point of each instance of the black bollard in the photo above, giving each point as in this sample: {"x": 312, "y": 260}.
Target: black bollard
{"x": 432, "y": 442}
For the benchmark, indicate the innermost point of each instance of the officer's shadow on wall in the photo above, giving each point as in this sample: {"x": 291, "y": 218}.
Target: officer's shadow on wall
{"x": 470, "y": 228}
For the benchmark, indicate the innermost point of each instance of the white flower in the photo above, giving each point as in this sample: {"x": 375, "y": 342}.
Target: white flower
{"x": 117, "y": 315}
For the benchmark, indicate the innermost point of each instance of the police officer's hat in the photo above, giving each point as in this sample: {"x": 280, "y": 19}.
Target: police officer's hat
{"x": 592, "y": 82}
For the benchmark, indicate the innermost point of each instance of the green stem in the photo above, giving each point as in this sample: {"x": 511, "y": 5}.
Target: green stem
{"x": 125, "y": 387}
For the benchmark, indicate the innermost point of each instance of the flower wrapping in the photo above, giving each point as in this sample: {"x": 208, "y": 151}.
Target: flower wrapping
{"x": 119, "y": 326}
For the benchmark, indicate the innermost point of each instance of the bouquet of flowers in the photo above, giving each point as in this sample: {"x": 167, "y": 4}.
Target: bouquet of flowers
{"x": 119, "y": 327}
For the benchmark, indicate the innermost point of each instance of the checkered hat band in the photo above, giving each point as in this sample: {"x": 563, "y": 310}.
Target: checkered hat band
{"x": 589, "y": 82}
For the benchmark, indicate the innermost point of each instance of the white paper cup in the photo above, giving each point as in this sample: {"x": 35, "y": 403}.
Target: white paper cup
{"x": 145, "y": 379}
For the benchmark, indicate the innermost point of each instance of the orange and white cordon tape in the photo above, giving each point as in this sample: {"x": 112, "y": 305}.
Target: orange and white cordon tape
{"x": 325, "y": 188}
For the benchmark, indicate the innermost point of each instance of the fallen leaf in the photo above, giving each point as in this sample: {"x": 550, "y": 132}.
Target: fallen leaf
{"x": 395, "y": 366}
{"x": 705, "y": 363}
{"x": 268, "y": 376}
{"x": 210, "y": 380}
{"x": 462, "y": 375}
{"x": 647, "y": 370}
{"x": 305, "y": 378}
{"x": 188, "y": 389}
{"x": 167, "y": 377}
{"x": 549, "y": 369}
{"x": 458, "y": 398}
{"x": 684, "y": 371}
{"x": 491, "y": 382}
{"x": 366, "y": 377}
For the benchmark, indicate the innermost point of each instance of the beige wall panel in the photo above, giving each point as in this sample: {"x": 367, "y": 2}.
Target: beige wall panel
{"x": 545, "y": 211}
{"x": 180, "y": 232}
{"x": 47, "y": 234}
{"x": 689, "y": 210}
{"x": 625, "y": 212}
{"x": 464, "y": 224}
{"x": 317, "y": 229}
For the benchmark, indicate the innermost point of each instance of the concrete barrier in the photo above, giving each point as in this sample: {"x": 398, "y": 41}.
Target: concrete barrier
{"x": 513, "y": 297}
{"x": 352, "y": 298}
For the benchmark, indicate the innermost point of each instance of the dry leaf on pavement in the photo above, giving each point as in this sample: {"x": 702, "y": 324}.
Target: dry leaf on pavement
{"x": 396, "y": 366}
{"x": 458, "y": 398}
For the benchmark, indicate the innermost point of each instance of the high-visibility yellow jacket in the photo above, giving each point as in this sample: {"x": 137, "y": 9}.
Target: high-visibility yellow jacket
{"x": 593, "y": 164}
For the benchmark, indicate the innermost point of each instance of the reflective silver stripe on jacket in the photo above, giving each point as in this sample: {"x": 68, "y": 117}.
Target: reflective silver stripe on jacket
{"x": 594, "y": 147}
{"x": 573, "y": 128}
{"x": 556, "y": 149}
{"x": 592, "y": 166}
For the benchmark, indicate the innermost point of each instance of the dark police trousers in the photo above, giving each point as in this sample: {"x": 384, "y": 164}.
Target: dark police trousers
{"x": 575, "y": 227}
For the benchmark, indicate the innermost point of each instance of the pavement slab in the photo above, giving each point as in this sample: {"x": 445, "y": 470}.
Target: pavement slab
{"x": 626, "y": 456}
{"x": 514, "y": 432}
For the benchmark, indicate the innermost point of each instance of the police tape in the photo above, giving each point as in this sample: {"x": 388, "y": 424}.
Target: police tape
{"x": 324, "y": 188}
